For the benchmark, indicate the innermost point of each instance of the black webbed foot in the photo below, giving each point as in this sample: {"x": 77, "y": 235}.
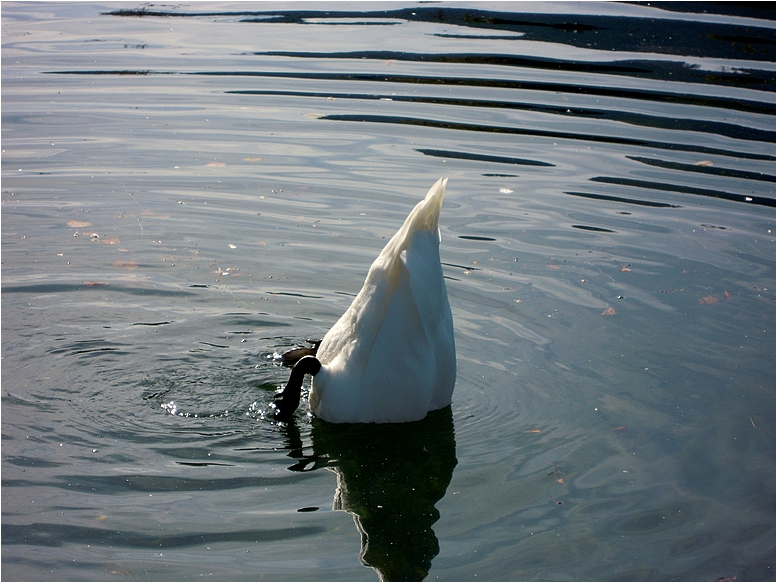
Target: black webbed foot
{"x": 295, "y": 354}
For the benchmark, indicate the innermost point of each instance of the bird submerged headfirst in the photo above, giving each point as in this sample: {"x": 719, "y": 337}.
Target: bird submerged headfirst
{"x": 391, "y": 356}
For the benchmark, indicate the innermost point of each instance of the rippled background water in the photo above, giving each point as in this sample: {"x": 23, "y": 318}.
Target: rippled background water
{"x": 188, "y": 189}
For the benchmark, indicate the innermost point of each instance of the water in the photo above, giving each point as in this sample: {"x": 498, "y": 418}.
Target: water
{"x": 189, "y": 191}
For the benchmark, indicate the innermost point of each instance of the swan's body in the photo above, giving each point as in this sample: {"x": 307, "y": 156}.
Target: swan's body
{"x": 391, "y": 357}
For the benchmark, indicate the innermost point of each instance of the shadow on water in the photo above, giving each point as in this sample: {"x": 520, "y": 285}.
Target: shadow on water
{"x": 389, "y": 478}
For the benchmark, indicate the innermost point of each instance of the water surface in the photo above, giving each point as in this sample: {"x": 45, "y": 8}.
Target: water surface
{"x": 188, "y": 190}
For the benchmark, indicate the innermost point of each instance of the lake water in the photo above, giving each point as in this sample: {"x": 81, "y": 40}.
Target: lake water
{"x": 189, "y": 189}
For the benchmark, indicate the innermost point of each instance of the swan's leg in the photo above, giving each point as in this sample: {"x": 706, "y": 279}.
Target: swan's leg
{"x": 285, "y": 402}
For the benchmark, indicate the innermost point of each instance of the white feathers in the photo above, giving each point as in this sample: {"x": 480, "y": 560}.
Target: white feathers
{"x": 391, "y": 357}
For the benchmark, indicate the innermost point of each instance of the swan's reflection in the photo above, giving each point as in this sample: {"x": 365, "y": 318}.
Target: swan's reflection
{"x": 389, "y": 477}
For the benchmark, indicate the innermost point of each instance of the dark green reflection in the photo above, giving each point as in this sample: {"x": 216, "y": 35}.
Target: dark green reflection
{"x": 389, "y": 477}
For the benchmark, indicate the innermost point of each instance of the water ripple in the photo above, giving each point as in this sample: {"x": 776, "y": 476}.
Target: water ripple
{"x": 642, "y": 94}
{"x": 44, "y": 534}
{"x": 576, "y": 137}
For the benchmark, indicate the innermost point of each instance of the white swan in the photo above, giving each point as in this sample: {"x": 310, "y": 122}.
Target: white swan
{"x": 391, "y": 357}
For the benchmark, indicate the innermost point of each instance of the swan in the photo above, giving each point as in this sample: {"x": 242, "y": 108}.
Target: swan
{"x": 391, "y": 357}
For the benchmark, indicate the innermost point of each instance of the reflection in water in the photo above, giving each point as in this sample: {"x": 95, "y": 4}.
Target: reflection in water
{"x": 389, "y": 477}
